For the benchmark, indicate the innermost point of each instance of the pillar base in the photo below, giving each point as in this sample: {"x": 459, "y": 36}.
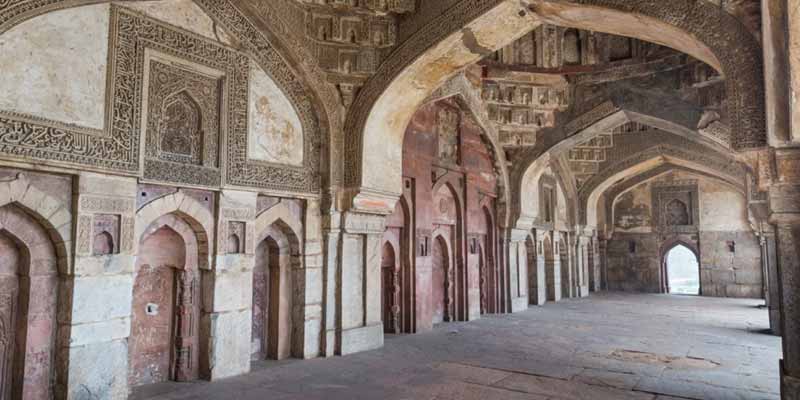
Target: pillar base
{"x": 361, "y": 339}
{"x": 775, "y": 321}
{"x": 790, "y": 386}
{"x": 519, "y": 304}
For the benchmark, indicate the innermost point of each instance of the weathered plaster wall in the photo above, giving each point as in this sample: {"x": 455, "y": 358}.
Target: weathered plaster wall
{"x": 465, "y": 185}
{"x": 637, "y": 245}
{"x": 275, "y": 132}
{"x": 54, "y": 66}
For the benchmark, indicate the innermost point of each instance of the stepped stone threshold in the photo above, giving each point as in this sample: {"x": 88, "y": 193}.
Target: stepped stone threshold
{"x": 609, "y": 346}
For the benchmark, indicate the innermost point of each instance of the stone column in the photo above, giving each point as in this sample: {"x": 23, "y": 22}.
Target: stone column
{"x": 788, "y": 236}
{"x": 331, "y": 292}
{"x": 359, "y": 326}
{"x": 772, "y": 280}
{"x": 602, "y": 258}
{"x": 574, "y": 273}
{"x": 102, "y": 289}
{"x": 556, "y": 275}
{"x": 518, "y": 267}
{"x": 583, "y": 265}
{"x": 784, "y": 196}
{"x": 538, "y": 277}
{"x": 597, "y": 266}
{"x": 776, "y": 60}
{"x": 312, "y": 278}
{"x": 228, "y": 316}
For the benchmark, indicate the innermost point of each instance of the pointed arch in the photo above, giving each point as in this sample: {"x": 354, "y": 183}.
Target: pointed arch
{"x": 466, "y": 31}
{"x": 279, "y": 233}
{"x": 33, "y": 294}
{"x": 195, "y": 214}
{"x": 666, "y": 247}
{"x": 50, "y": 212}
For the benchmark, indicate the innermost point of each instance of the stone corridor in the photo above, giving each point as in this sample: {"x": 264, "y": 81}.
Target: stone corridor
{"x": 609, "y": 346}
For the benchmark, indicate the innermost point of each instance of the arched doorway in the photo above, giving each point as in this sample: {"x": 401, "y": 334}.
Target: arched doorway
{"x": 483, "y": 281}
{"x": 398, "y": 304}
{"x": 390, "y": 290}
{"x": 165, "y": 342}
{"x": 273, "y": 296}
{"x": 682, "y": 271}
{"x": 29, "y": 290}
{"x": 441, "y": 279}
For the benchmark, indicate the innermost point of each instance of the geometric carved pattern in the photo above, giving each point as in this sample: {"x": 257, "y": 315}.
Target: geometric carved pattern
{"x": 182, "y": 125}
{"x": 239, "y": 170}
{"x": 675, "y": 207}
{"x": 117, "y": 148}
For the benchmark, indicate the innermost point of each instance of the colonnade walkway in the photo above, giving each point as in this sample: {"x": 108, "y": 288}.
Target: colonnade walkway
{"x": 608, "y": 346}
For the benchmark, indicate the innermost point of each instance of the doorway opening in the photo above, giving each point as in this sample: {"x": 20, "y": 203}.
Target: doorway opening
{"x": 683, "y": 271}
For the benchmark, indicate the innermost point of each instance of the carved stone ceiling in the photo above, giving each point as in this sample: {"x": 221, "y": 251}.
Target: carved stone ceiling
{"x": 347, "y": 39}
{"x": 529, "y": 85}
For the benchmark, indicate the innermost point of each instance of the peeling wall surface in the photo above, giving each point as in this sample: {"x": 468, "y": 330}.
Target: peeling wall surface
{"x": 638, "y": 246}
{"x": 55, "y": 67}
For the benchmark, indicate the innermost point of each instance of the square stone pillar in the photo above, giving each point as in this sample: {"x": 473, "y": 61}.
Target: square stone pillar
{"x": 770, "y": 266}
{"x": 572, "y": 259}
{"x": 518, "y": 270}
{"x": 780, "y": 87}
{"x": 331, "y": 291}
{"x": 602, "y": 259}
{"x": 102, "y": 287}
{"x": 538, "y": 274}
{"x": 597, "y": 269}
{"x": 793, "y": 20}
{"x": 312, "y": 277}
{"x": 784, "y": 200}
{"x": 227, "y": 316}
{"x": 554, "y": 278}
{"x": 358, "y": 302}
{"x": 788, "y": 235}
{"x": 583, "y": 265}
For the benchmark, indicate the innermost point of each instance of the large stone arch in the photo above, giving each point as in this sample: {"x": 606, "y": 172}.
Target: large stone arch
{"x": 653, "y": 157}
{"x": 467, "y": 31}
{"x": 621, "y": 109}
{"x": 48, "y": 211}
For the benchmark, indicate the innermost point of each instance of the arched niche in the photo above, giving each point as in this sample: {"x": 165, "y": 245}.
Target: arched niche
{"x": 166, "y": 341}
{"x": 277, "y": 318}
{"x": 32, "y": 295}
{"x": 442, "y": 302}
{"x": 398, "y": 279}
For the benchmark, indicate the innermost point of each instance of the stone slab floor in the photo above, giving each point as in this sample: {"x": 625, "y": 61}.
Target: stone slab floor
{"x": 608, "y": 346}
